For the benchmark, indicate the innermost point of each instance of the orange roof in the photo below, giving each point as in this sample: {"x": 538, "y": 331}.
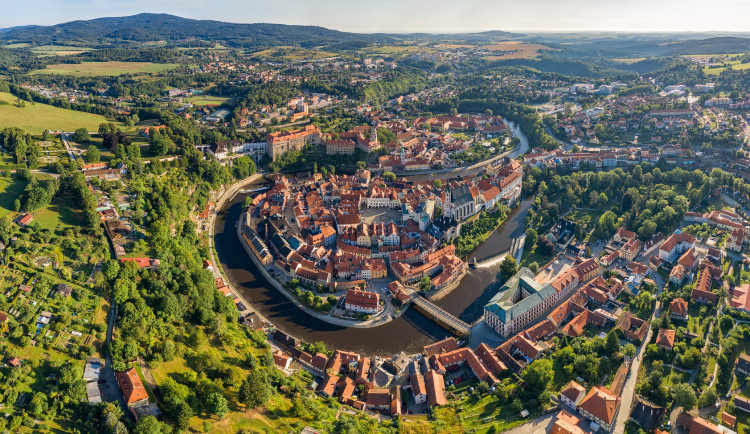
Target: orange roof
{"x": 131, "y": 386}
{"x": 566, "y": 423}
{"x": 601, "y": 403}
{"x": 665, "y": 338}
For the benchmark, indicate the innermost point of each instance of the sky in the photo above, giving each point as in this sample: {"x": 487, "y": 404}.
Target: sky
{"x": 407, "y": 16}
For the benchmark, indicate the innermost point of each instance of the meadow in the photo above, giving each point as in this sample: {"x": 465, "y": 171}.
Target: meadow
{"x": 99, "y": 69}
{"x": 36, "y": 117}
{"x": 514, "y": 50}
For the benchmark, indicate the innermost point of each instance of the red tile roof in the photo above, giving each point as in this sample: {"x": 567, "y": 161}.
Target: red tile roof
{"x": 131, "y": 386}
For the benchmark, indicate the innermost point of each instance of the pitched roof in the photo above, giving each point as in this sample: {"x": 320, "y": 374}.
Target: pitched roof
{"x": 601, "y": 403}
{"x": 573, "y": 391}
{"x": 665, "y": 338}
{"x": 131, "y": 386}
{"x": 678, "y": 306}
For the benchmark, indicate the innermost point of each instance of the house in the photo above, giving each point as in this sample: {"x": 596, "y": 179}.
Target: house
{"x": 623, "y": 235}
{"x": 600, "y": 405}
{"x": 327, "y": 387}
{"x": 132, "y": 387}
{"x": 632, "y": 327}
{"x": 728, "y": 419}
{"x": 3, "y": 317}
{"x": 435, "y": 388}
{"x": 566, "y": 423}
{"x": 704, "y": 297}
{"x": 742, "y": 403}
{"x": 418, "y": 389}
{"x": 13, "y": 362}
{"x": 665, "y": 339}
{"x": 24, "y": 220}
{"x": 646, "y": 415}
{"x": 378, "y": 399}
{"x": 697, "y": 425}
{"x": 678, "y": 309}
{"x": 64, "y": 290}
{"x": 572, "y": 394}
{"x": 362, "y": 301}
{"x": 281, "y": 360}
{"x": 742, "y": 365}
{"x": 675, "y": 245}
{"x": 741, "y": 298}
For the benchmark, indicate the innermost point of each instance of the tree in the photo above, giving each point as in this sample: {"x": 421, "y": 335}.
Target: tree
{"x": 150, "y": 425}
{"x": 538, "y": 374}
{"x": 509, "y": 267}
{"x": 255, "y": 390}
{"x": 389, "y": 176}
{"x": 247, "y": 202}
{"x": 546, "y": 246}
{"x": 425, "y": 284}
{"x": 38, "y": 405}
{"x": 531, "y": 237}
{"x": 534, "y": 267}
{"x": 438, "y": 184}
{"x": 612, "y": 343}
{"x": 81, "y": 135}
{"x": 217, "y": 405}
{"x": 684, "y": 396}
{"x": 93, "y": 155}
{"x": 110, "y": 268}
{"x": 629, "y": 350}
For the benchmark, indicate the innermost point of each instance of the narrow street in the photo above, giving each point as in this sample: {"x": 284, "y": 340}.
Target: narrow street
{"x": 629, "y": 390}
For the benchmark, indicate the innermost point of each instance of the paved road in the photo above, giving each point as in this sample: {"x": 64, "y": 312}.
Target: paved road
{"x": 110, "y": 391}
{"x": 629, "y": 390}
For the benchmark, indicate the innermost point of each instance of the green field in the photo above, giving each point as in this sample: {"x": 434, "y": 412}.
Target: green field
{"x": 59, "y": 50}
{"x": 37, "y": 117}
{"x": 207, "y": 100}
{"x": 97, "y": 69}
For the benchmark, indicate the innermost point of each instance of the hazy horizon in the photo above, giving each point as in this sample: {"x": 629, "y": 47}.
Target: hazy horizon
{"x": 417, "y": 16}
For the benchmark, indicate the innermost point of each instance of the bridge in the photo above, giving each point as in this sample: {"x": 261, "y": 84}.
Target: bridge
{"x": 441, "y": 317}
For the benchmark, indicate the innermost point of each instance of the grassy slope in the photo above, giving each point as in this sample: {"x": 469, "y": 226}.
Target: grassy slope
{"x": 36, "y": 117}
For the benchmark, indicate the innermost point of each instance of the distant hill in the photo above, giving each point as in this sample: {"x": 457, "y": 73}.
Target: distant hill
{"x": 142, "y": 28}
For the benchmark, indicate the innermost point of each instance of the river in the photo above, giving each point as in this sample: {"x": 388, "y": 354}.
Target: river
{"x": 408, "y": 333}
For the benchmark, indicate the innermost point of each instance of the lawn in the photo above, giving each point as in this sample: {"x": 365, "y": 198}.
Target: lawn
{"x": 98, "y": 69}
{"x": 36, "y": 117}
{"x": 201, "y": 100}
{"x": 478, "y": 415}
{"x": 10, "y": 190}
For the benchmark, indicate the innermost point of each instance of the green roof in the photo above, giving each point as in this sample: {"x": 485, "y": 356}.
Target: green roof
{"x": 503, "y": 304}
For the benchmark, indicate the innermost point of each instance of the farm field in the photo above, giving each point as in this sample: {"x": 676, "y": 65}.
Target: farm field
{"x": 59, "y": 50}
{"x": 96, "y": 69}
{"x": 630, "y": 60}
{"x": 291, "y": 53}
{"x": 514, "y": 50}
{"x": 716, "y": 70}
{"x": 397, "y": 49}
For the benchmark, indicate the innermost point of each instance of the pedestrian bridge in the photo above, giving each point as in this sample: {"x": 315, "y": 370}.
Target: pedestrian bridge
{"x": 441, "y": 317}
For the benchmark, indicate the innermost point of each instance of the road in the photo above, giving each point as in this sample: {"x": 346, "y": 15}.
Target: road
{"x": 110, "y": 391}
{"x": 629, "y": 390}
